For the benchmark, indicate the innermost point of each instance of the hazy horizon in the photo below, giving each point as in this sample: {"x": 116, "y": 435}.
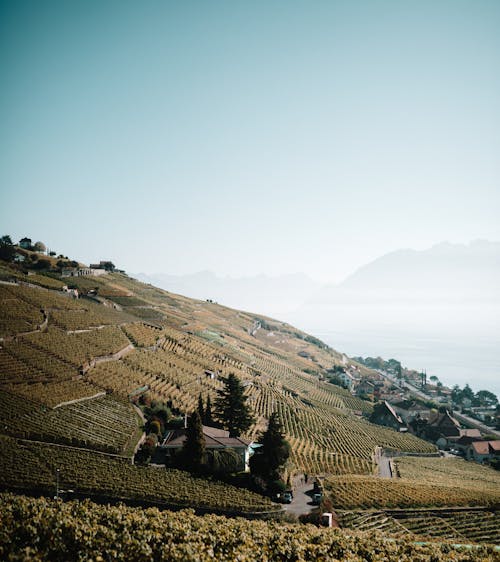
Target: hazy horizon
{"x": 246, "y": 138}
{"x": 250, "y": 138}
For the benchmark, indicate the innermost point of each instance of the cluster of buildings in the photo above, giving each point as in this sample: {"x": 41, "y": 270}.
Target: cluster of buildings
{"x": 440, "y": 427}
{"x": 396, "y": 408}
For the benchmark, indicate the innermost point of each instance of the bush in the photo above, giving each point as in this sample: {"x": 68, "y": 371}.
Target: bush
{"x": 223, "y": 461}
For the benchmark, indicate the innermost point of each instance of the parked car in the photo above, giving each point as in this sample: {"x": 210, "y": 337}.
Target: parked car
{"x": 287, "y": 496}
{"x": 317, "y": 497}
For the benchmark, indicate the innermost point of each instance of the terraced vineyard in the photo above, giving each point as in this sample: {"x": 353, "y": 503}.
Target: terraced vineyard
{"x": 46, "y": 529}
{"x": 171, "y": 364}
{"x": 26, "y": 465}
{"x": 142, "y": 335}
{"x": 424, "y": 482}
{"x": 479, "y": 526}
{"x": 448, "y": 471}
{"x": 52, "y": 394}
{"x": 103, "y": 423}
{"x": 351, "y": 491}
{"x": 78, "y": 348}
{"x": 18, "y": 316}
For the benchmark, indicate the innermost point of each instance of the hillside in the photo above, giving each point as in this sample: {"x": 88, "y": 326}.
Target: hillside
{"x": 71, "y": 367}
{"x": 168, "y": 342}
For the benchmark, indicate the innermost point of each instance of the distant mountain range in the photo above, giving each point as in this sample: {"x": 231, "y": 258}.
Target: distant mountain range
{"x": 447, "y": 284}
{"x": 261, "y": 293}
{"x": 461, "y": 270}
{"x": 453, "y": 285}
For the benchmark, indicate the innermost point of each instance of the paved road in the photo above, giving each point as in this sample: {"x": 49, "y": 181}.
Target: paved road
{"x": 384, "y": 467}
{"x": 302, "y": 502}
{"x": 383, "y": 462}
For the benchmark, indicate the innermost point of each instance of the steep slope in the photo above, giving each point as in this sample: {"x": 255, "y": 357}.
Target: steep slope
{"x": 127, "y": 337}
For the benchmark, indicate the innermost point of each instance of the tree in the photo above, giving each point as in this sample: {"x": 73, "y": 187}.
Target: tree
{"x": 398, "y": 370}
{"x": 40, "y": 247}
{"x": 456, "y": 394}
{"x": 467, "y": 392}
{"x": 223, "y": 461}
{"x": 201, "y": 410}
{"x": 486, "y": 397}
{"x": 193, "y": 450}
{"x": 7, "y": 249}
{"x": 42, "y": 264}
{"x": 231, "y": 408}
{"x": 271, "y": 457}
{"x": 155, "y": 427}
{"x": 207, "y": 418}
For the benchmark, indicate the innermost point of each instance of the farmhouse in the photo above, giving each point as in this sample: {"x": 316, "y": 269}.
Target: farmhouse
{"x": 365, "y": 388}
{"x": 215, "y": 438}
{"x": 347, "y": 379}
{"x": 384, "y": 414}
{"x": 446, "y": 425}
{"x": 103, "y": 264}
{"x": 409, "y": 410}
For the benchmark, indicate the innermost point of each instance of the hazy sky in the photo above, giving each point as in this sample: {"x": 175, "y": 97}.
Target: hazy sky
{"x": 249, "y": 137}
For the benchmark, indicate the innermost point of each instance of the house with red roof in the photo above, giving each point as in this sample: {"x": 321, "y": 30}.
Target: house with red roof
{"x": 485, "y": 451}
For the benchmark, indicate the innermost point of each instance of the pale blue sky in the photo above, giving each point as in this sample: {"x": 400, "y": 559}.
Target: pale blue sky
{"x": 249, "y": 137}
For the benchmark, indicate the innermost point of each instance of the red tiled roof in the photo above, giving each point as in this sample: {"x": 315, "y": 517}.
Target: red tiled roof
{"x": 495, "y": 445}
{"x": 470, "y": 433}
{"x": 486, "y": 447}
{"x": 481, "y": 447}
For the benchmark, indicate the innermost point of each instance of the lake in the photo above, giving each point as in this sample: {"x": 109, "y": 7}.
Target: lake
{"x": 454, "y": 360}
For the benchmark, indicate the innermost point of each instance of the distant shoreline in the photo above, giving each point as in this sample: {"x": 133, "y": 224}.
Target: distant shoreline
{"x": 452, "y": 360}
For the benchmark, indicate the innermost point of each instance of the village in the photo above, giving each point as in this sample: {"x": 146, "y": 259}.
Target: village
{"x": 458, "y": 422}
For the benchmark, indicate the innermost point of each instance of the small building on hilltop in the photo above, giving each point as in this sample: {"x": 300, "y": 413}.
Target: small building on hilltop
{"x": 104, "y": 264}
{"x": 215, "y": 438}
{"x": 25, "y": 243}
{"x": 82, "y": 272}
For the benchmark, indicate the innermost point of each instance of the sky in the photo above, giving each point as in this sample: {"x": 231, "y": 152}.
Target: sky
{"x": 249, "y": 137}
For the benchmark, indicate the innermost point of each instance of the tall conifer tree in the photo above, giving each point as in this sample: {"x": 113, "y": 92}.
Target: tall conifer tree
{"x": 269, "y": 460}
{"x": 207, "y": 418}
{"x": 231, "y": 408}
{"x": 193, "y": 450}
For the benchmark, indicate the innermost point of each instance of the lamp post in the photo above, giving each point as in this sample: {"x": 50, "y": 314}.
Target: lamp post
{"x": 57, "y": 483}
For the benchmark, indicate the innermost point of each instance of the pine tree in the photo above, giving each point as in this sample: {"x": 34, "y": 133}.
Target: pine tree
{"x": 269, "y": 459}
{"x": 207, "y": 418}
{"x": 193, "y": 450}
{"x": 200, "y": 407}
{"x": 231, "y": 408}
